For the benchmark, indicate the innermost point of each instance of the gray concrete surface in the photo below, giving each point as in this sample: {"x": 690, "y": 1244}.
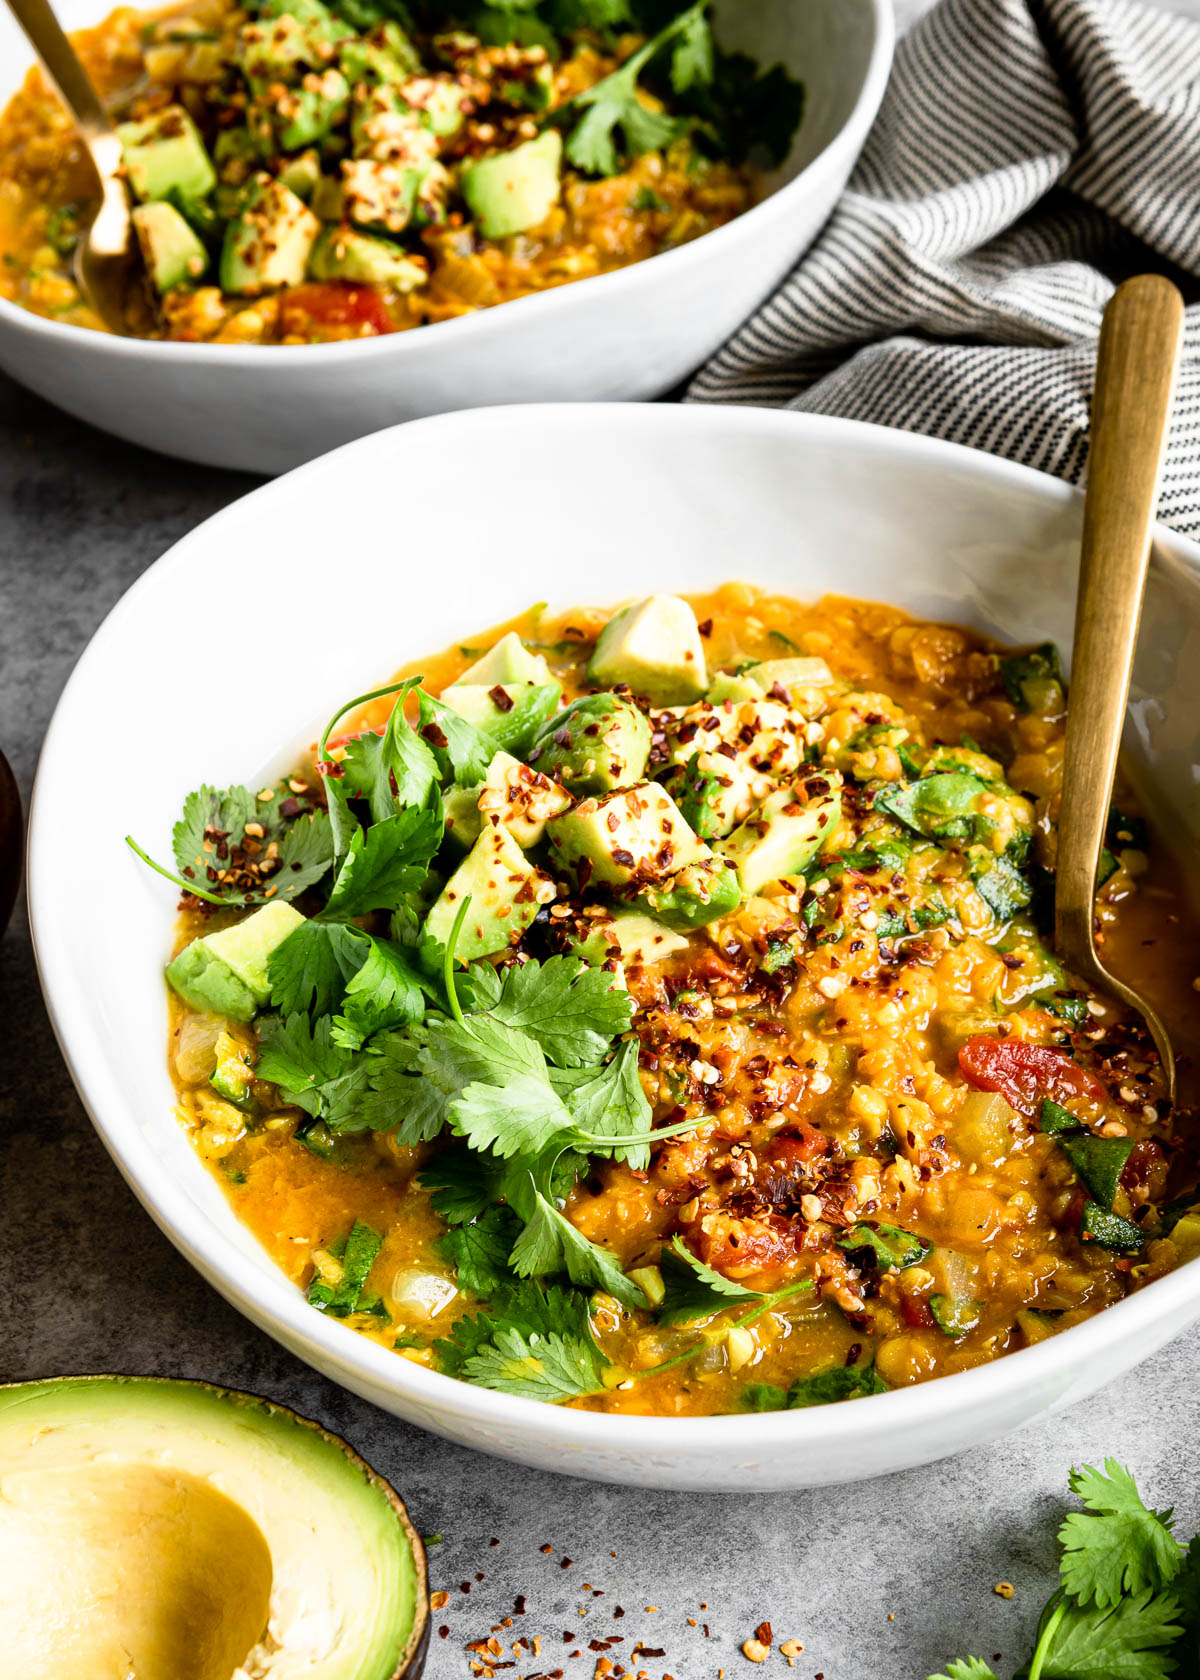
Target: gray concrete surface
{"x": 91, "y": 1285}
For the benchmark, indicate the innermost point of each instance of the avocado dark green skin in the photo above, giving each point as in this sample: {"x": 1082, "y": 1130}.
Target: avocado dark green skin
{"x": 410, "y": 1663}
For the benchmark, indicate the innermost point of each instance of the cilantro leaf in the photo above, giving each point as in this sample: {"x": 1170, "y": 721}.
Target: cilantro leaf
{"x": 479, "y": 1250}
{"x": 298, "y": 1057}
{"x": 310, "y": 968}
{"x": 574, "y": 1012}
{"x": 615, "y": 104}
{"x": 358, "y": 1255}
{"x": 305, "y": 855}
{"x": 613, "y": 1104}
{"x": 481, "y": 1050}
{"x": 313, "y": 1072}
{"x": 544, "y": 1320}
{"x": 1128, "y": 1641}
{"x": 692, "y": 55}
{"x": 536, "y": 1367}
{"x": 1117, "y": 1545}
{"x": 966, "y": 1668}
{"x": 401, "y": 1098}
{"x": 694, "y": 1290}
{"x": 373, "y": 761}
{"x": 385, "y": 862}
{"x": 521, "y": 1117}
{"x": 550, "y": 1243}
{"x": 463, "y": 1184}
{"x": 463, "y": 752}
{"x": 226, "y": 812}
{"x": 841, "y": 1382}
{"x": 386, "y": 992}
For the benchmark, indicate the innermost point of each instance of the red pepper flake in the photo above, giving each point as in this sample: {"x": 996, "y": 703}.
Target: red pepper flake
{"x": 501, "y": 698}
{"x": 443, "y": 1632}
{"x": 435, "y": 736}
{"x": 519, "y": 1604}
{"x": 706, "y": 627}
{"x": 618, "y": 1612}
{"x": 566, "y": 1563}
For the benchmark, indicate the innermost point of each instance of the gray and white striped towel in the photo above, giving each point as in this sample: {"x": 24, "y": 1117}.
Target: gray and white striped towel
{"x": 1028, "y": 154}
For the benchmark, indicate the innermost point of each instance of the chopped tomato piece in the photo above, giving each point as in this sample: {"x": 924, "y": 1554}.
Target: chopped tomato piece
{"x": 1025, "y": 1073}
{"x": 796, "y": 1148}
{"x": 335, "y": 306}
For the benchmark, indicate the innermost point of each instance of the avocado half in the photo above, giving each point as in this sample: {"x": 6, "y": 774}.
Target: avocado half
{"x": 177, "y": 1531}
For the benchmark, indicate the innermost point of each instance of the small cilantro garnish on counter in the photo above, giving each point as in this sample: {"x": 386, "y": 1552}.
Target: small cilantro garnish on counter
{"x": 1127, "y": 1606}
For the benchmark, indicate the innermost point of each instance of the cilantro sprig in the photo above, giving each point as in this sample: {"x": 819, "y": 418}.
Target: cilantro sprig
{"x": 217, "y": 860}
{"x": 1127, "y": 1606}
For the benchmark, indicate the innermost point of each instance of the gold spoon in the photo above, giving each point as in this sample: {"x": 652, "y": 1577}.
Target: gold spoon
{"x": 1136, "y": 365}
{"x": 103, "y": 253}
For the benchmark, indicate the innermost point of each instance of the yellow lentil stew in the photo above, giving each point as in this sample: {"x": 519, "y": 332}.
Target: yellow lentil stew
{"x": 304, "y": 172}
{"x": 654, "y": 1011}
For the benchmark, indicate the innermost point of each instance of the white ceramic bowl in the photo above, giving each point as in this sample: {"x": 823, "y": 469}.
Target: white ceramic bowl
{"x": 566, "y": 504}
{"x": 631, "y": 334}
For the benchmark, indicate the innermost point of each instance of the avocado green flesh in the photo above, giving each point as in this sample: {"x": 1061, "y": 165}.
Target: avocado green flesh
{"x": 181, "y": 1532}
{"x": 170, "y": 249}
{"x": 516, "y": 189}
{"x": 597, "y": 744}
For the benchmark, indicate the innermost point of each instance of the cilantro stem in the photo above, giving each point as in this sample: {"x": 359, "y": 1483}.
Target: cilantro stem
{"x": 1045, "y": 1640}
{"x": 597, "y": 1140}
{"x": 448, "y": 961}
{"x": 352, "y": 706}
{"x": 188, "y": 886}
{"x": 765, "y": 1305}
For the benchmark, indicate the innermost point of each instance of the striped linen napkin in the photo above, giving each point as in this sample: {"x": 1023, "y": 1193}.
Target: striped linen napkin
{"x": 1028, "y": 155}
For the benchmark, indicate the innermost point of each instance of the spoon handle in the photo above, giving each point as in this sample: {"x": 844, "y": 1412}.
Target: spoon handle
{"x": 1136, "y": 366}
{"x": 60, "y": 60}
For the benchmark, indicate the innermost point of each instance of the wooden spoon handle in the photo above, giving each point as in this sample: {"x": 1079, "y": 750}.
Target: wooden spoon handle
{"x": 1136, "y": 367}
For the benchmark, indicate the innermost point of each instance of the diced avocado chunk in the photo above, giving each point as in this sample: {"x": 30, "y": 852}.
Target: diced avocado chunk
{"x": 784, "y": 835}
{"x": 302, "y": 173}
{"x": 312, "y": 110}
{"x": 268, "y": 243}
{"x": 510, "y": 714}
{"x": 635, "y": 940}
{"x": 226, "y": 972}
{"x": 288, "y": 35}
{"x": 463, "y": 819}
{"x": 716, "y": 793}
{"x": 514, "y": 190}
{"x": 165, "y": 157}
{"x": 654, "y": 647}
{"x": 633, "y": 835}
{"x": 234, "y": 1073}
{"x": 506, "y": 894}
{"x": 700, "y": 893}
{"x": 441, "y": 98}
{"x": 380, "y": 192}
{"x": 597, "y": 744}
{"x": 760, "y": 735}
{"x": 520, "y": 799}
{"x": 511, "y": 796}
{"x": 795, "y": 678}
{"x": 173, "y": 254}
{"x": 339, "y": 253}
{"x": 510, "y": 661}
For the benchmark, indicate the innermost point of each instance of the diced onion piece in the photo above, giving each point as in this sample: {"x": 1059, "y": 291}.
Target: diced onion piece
{"x": 417, "y": 1293}
{"x": 196, "y": 1048}
{"x": 984, "y": 1128}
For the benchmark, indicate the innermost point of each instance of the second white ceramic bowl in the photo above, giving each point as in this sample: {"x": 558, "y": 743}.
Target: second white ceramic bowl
{"x": 402, "y": 543}
{"x": 631, "y": 334}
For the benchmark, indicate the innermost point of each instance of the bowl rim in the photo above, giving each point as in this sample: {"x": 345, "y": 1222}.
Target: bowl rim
{"x": 275, "y": 1304}
{"x": 850, "y": 136}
